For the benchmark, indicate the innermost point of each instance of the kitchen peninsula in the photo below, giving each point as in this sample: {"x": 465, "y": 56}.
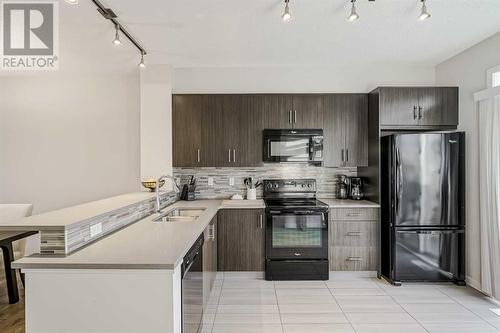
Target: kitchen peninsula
{"x": 129, "y": 281}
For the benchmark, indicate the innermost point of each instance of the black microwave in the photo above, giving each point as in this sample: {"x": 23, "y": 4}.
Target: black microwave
{"x": 293, "y": 146}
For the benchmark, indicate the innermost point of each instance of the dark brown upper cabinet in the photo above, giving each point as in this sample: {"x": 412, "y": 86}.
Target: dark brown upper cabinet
{"x": 418, "y": 107}
{"x": 345, "y": 126}
{"x": 307, "y": 111}
{"x": 186, "y": 130}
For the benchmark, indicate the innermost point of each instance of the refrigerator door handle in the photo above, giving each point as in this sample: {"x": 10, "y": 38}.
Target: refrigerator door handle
{"x": 430, "y": 232}
{"x": 398, "y": 182}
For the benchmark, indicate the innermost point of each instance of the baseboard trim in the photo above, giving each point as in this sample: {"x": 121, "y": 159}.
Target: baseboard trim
{"x": 473, "y": 283}
{"x": 346, "y": 275}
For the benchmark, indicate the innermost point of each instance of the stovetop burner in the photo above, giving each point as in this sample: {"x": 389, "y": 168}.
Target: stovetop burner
{"x": 295, "y": 203}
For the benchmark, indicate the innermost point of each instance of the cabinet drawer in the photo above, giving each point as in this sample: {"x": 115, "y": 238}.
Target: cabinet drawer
{"x": 343, "y": 258}
{"x": 355, "y": 214}
{"x": 353, "y": 233}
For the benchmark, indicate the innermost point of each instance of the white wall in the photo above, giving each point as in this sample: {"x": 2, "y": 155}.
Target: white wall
{"x": 468, "y": 71}
{"x": 72, "y": 135}
{"x": 156, "y": 121}
{"x": 297, "y": 79}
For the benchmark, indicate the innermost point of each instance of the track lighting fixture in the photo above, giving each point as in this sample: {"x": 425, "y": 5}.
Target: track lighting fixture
{"x": 142, "y": 64}
{"x": 286, "y": 13}
{"x": 424, "y": 14}
{"x": 353, "y": 16}
{"x": 117, "y": 40}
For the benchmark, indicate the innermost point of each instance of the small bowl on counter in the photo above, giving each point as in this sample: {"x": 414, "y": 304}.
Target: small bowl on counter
{"x": 150, "y": 184}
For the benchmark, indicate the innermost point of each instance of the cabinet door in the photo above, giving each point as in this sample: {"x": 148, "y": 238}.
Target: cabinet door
{"x": 186, "y": 130}
{"x": 231, "y": 141}
{"x": 356, "y": 130}
{"x": 333, "y": 129}
{"x": 430, "y": 107}
{"x": 210, "y": 130}
{"x": 398, "y": 106}
{"x": 277, "y": 111}
{"x": 449, "y": 98}
{"x": 251, "y": 126}
{"x": 240, "y": 240}
{"x": 307, "y": 111}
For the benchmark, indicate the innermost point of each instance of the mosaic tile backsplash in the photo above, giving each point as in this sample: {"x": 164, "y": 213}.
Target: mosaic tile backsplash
{"x": 77, "y": 235}
{"x": 326, "y": 178}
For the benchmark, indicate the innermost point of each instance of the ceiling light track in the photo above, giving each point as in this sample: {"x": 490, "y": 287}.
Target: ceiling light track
{"x": 353, "y": 13}
{"x": 109, "y": 14}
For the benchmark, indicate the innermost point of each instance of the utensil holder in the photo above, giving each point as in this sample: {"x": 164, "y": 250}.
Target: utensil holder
{"x": 251, "y": 194}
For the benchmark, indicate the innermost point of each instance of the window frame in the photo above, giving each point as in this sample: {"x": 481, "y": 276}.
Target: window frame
{"x": 489, "y": 76}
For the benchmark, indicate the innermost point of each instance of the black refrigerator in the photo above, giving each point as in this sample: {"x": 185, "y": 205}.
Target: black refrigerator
{"x": 423, "y": 207}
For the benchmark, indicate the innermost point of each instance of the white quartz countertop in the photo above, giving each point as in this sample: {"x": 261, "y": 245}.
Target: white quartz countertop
{"x": 337, "y": 203}
{"x": 141, "y": 245}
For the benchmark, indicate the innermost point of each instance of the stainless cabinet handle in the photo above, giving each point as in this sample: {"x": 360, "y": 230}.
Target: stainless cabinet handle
{"x": 295, "y": 116}
{"x": 353, "y": 233}
{"x": 290, "y": 116}
{"x": 261, "y": 221}
{"x": 414, "y": 112}
{"x": 234, "y": 155}
{"x": 229, "y": 158}
{"x": 198, "y": 155}
{"x": 420, "y": 116}
{"x": 342, "y": 155}
{"x": 347, "y": 155}
{"x": 353, "y": 259}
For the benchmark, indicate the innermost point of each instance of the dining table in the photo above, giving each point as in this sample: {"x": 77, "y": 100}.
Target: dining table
{"x": 6, "y": 240}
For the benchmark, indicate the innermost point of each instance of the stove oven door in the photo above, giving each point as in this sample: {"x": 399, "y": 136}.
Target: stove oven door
{"x": 296, "y": 234}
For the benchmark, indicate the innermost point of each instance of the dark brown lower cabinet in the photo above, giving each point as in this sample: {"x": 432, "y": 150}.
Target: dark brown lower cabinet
{"x": 240, "y": 240}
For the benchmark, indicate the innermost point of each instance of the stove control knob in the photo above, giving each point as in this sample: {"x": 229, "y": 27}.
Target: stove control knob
{"x": 269, "y": 185}
{"x": 276, "y": 185}
{"x": 303, "y": 185}
{"x": 309, "y": 185}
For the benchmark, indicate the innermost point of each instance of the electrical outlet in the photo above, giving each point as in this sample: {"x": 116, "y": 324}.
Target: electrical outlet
{"x": 210, "y": 181}
{"x": 95, "y": 229}
{"x": 231, "y": 181}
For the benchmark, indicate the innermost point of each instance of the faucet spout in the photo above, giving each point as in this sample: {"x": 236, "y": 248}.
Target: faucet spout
{"x": 176, "y": 189}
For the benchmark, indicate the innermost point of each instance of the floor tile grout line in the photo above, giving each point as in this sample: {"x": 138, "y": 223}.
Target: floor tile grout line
{"x": 419, "y": 323}
{"x": 341, "y": 309}
{"x": 218, "y": 302}
{"x": 475, "y": 314}
{"x": 278, "y": 305}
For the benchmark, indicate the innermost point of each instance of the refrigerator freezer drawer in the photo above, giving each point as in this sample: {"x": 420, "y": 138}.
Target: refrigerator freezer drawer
{"x": 428, "y": 255}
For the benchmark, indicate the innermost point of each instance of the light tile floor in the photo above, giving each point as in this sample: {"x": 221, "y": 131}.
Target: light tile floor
{"x": 362, "y": 305}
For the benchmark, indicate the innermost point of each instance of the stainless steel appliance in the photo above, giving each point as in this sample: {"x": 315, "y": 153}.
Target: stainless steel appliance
{"x": 423, "y": 207}
{"x": 356, "y": 188}
{"x": 343, "y": 187}
{"x": 296, "y": 231}
{"x": 293, "y": 145}
{"x": 192, "y": 288}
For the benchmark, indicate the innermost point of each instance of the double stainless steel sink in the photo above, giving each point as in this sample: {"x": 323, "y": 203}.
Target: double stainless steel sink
{"x": 179, "y": 215}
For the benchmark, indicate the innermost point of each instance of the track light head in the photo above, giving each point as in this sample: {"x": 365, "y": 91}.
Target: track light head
{"x": 353, "y": 16}
{"x": 142, "y": 64}
{"x": 117, "y": 40}
{"x": 286, "y": 17}
{"x": 424, "y": 14}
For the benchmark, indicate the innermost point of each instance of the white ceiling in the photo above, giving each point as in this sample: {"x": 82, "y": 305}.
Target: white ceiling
{"x": 211, "y": 33}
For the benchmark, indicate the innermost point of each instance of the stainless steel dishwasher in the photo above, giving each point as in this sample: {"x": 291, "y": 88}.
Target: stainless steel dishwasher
{"x": 192, "y": 288}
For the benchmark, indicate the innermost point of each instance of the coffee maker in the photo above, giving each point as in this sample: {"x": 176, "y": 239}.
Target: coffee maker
{"x": 349, "y": 187}
{"x": 356, "y": 188}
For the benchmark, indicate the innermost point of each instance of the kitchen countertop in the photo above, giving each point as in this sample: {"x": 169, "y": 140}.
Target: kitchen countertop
{"x": 142, "y": 245}
{"x": 337, "y": 203}
{"x": 66, "y": 216}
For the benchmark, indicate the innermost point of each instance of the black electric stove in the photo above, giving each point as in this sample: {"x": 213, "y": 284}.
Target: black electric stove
{"x": 296, "y": 231}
